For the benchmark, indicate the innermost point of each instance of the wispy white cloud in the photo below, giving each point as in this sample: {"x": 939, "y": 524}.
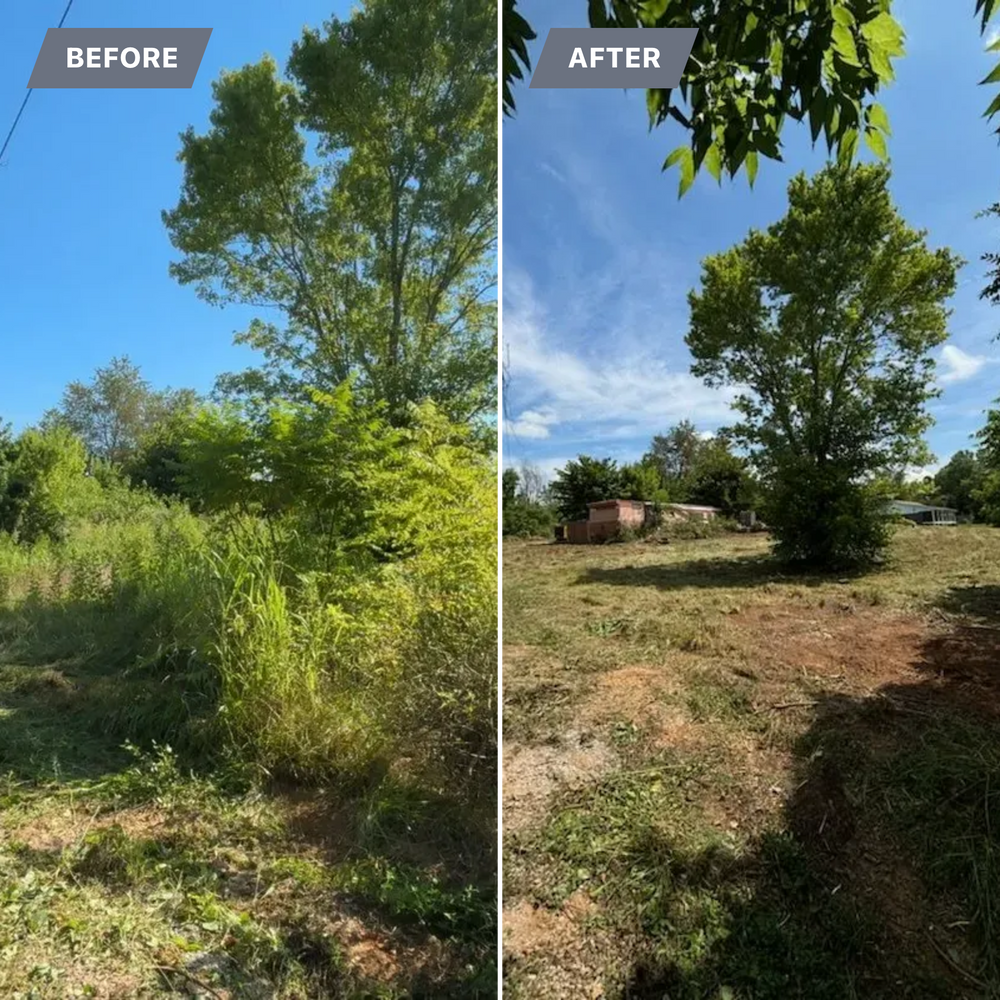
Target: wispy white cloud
{"x": 956, "y": 365}
{"x": 551, "y": 171}
{"x": 533, "y": 424}
{"x": 595, "y": 342}
{"x": 596, "y": 387}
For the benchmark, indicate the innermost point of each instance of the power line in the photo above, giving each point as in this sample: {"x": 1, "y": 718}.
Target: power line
{"x": 505, "y": 398}
{"x": 24, "y": 103}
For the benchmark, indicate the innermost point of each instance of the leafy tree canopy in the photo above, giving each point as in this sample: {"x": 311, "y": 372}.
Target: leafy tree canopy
{"x": 583, "y": 481}
{"x": 525, "y": 511}
{"x": 956, "y": 483}
{"x": 115, "y": 410}
{"x": 358, "y": 198}
{"x": 45, "y": 487}
{"x": 640, "y": 481}
{"x": 721, "y": 479}
{"x": 756, "y": 65}
{"x": 675, "y": 452}
{"x": 826, "y": 321}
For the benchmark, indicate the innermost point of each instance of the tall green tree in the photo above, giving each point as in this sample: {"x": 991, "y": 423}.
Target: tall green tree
{"x": 674, "y": 455}
{"x": 756, "y": 65}
{"x": 108, "y": 413}
{"x": 46, "y": 486}
{"x": 358, "y": 197}
{"x": 525, "y": 513}
{"x": 115, "y": 410}
{"x": 158, "y": 462}
{"x": 827, "y": 321}
{"x": 721, "y": 479}
{"x": 987, "y": 495}
{"x": 509, "y": 483}
{"x": 956, "y": 483}
{"x": 8, "y": 456}
{"x": 583, "y": 481}
{"x": 641, "y": 481}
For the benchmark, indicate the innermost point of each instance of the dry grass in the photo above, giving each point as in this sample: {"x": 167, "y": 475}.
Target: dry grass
{"x": 742, "y": 773}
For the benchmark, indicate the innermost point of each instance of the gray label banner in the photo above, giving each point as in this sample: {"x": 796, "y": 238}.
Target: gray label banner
{"x": 599, "y": 58}
{"x": 119, "y": 58}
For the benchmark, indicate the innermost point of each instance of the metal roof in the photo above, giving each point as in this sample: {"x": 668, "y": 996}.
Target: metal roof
{"x": 913, "y": 507}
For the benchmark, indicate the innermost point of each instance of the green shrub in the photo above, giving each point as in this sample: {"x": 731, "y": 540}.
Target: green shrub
{"x": 823, "y": 521}
{"x": 690, "y": 528}
{"x": 524, "y": 518}
{"x": 45, "y": 488}
{"x": 303, "y": 654}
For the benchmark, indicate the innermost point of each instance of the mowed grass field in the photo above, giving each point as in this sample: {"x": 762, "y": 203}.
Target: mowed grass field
{"x": 724, "y": 782}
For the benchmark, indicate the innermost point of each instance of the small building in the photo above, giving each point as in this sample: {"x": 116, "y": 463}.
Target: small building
{"x": 606, "y": 519}
{"x": 693, "y": 510}
{"x": 922, "y": 513}
{"x": 572, "y": 532}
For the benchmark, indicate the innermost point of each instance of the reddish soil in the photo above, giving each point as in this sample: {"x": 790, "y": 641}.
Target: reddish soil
{"x": 861, "y": 648}
{"x": 865, "y": 651}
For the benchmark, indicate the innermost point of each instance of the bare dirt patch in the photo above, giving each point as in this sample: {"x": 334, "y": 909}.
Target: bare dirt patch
{"x": 862, "y": 648}
{"x": 315, "y": 824}
{"x": 648, "y": 698}
{"x": 384, "y": 956}
{"x": 966, "y": 660}
{"x": 533, "y": 774}
{"x": 58, "y": 829}
{"x": 862, "y": 651}
{"x": 554, "y": 952}
{"x": 638, "y": 695}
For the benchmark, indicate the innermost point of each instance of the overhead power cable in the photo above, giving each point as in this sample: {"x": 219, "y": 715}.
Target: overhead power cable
{"x": 24, "y": 103}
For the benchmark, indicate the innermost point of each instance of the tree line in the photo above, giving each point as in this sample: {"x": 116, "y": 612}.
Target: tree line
{"x": 825, "y": 325}
{"x": 681, "y": 465}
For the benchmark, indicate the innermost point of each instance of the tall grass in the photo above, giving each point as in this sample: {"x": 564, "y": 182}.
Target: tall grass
{"x": 209, "y": 635}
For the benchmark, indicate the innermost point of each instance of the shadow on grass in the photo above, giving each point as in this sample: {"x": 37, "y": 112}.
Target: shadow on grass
{"x": 884, "y": 880}
{"x": 717, "y": 573}
{"x": 69, "y": 720}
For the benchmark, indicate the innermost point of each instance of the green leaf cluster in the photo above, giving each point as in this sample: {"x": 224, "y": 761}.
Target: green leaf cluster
{"x": 824, "y": 324}
{"x": 756, "y": 65}
{"x": 358, "y": 199}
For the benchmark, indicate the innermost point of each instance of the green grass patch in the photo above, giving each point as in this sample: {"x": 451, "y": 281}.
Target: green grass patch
{"x": 714, "y": 698}
{"x": 708, "y": 915}
{"x": 409, "y": 893}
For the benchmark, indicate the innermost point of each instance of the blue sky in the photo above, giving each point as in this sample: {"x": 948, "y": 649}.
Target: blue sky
{"x": 83, "y": 253}
{"x": 598, "y": 253}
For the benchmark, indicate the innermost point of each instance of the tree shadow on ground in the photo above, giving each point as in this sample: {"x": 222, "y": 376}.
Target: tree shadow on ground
{"x": 714, "y": 573}
{"x": 70, "y": 720}
{"x": 884, "y": 879}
